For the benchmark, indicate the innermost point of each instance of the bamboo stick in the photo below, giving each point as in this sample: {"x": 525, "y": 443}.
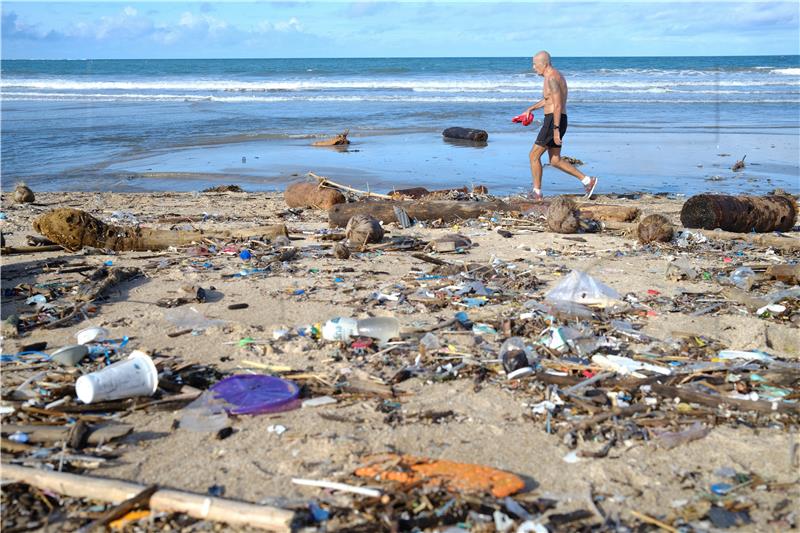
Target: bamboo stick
{"x": 326, "y": 182}
{"x": 171, "y": 501}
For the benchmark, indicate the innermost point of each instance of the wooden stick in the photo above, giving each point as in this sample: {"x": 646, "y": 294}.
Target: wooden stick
{"x": 98, "y": 435}
{"x": 650, "y": 520}
{"x": 364, "y": 491}
{"x": 761, "y": 406}
{"x": 200, "y": 506}
{"x": 11, "y": 250}
{"x": 325, "y": 182}
{"x": 118, "y": 511}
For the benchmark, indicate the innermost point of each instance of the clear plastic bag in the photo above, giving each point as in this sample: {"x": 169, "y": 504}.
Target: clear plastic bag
{"x": 580, "y": 287}
{"x": 190, "y": 318}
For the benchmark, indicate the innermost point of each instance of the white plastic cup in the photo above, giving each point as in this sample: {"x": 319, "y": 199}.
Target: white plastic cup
{"x": 134, "y": 376}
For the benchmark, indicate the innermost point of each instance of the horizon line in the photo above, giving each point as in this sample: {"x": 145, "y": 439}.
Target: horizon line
{"x": 382, "y": 57}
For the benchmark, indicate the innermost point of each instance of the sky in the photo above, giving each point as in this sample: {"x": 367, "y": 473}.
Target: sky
{"x": 113, "y": 29}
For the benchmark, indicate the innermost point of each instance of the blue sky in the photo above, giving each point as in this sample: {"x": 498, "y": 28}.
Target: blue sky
{"x": 75, "y": 30}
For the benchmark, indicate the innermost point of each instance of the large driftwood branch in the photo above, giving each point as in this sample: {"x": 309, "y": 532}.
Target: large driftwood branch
{"x": 171, "y": 501}
{"x": 73, "y": 229}
{"x": 449, "y": 210}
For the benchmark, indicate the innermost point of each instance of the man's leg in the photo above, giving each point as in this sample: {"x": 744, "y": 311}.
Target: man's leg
{"x": 589, "y": 183}
{"x": 536, "y": 166}
{"x": 562, "y": 165}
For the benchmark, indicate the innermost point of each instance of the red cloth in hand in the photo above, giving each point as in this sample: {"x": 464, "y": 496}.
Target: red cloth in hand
{"x": 525, "y": 119}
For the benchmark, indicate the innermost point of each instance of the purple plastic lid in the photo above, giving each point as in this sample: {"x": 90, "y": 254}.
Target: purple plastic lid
{"x": 251, "y": 394}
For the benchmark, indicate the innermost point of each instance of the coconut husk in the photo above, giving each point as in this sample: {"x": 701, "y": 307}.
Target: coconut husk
{"x": 341, "y": 251}
{"x": 563, "y": 215}
{"x": 363, "y": 229}
{"x": 312, "y": 195}
{"x": 339, "y": 140}
{"x": 23, "y": 194}
{"x": 655, "y": 228}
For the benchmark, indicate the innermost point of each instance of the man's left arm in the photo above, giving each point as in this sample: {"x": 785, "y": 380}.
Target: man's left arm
{"x": 558, "y": 106}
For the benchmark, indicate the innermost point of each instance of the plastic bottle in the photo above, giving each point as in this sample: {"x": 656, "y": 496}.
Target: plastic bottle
{"x": 743, "y": 277}
{"x": 380, "y": 328}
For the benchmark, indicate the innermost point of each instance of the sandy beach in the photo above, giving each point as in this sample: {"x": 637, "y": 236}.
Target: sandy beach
{"x": 484, "y": 418}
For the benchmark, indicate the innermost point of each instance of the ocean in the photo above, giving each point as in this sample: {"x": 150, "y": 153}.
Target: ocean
{"x": 641, "y": 123}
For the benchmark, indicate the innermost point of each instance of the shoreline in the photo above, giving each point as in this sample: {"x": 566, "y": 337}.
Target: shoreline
{"x": 657, "y": 162}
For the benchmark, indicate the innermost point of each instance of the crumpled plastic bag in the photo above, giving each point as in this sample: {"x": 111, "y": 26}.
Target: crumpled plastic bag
{"x": 580, "y": 287}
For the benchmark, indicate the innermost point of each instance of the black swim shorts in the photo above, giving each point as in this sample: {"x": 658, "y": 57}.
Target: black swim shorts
{"x": 545, "y": 137}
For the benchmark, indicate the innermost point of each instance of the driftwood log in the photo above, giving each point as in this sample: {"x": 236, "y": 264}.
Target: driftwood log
{"x": 73, "y": 229}
{"x": 790, "y": 244}
{"x": 312, "y": 195}
{"x": 200, "y": 506}
{"x": 466, "y": 134}
{"x": 339, "y": 140}
{"x": 449, "y": 210}
{"x": 742, "y": 214}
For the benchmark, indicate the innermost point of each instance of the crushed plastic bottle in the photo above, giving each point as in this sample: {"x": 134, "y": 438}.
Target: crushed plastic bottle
{"x": 743, "y": 277}
{"x": 430, "y": 342}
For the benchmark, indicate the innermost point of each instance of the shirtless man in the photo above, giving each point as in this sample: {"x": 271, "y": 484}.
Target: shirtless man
{"x": 549, "y": 140}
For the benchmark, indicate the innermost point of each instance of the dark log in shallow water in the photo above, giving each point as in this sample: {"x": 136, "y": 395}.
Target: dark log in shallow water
{"x": 466, "y": 134}
{"x": 741, "y": 214}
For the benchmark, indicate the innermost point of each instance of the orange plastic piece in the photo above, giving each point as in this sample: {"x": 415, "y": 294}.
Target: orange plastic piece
{"x": 133, "y": 516}
{"x": 449, "y": 475}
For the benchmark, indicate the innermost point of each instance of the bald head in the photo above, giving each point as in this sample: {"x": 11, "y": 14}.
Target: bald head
{"x": 542, "y": 58}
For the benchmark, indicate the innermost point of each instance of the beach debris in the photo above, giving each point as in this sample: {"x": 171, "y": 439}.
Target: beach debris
{"x": 739, "y": 165}
{"x": 74, "y": 229}
{"x": 742, "y": 214}
{"x": 225, "y": 188}
{"x": 581, "y": 288}
{"x": 23, "y": 194}
{"x": 201, "y": 506}
{"x": 338, "y": 140}
{"x": 253, "y": 394}
{"x": 441, "y": 473}
{"x": 363, "y": 229}
{"x": 452, "y": 242}
{"x": 563, "y": 215}
{"x": 416, "y": 193}
{"x": 786, "y": 273}
{"x": 450, "y": 210}
{"x": 70, "y": 355}
{"x": 466, "y": 134}
{"x": 655, "y": 228}
{"x": 572, "y": 160}
{"x": 128, "y": 378}
{"x": 341, "y": 251}
{"x": 327, "y": 182}
{"x": 381, "y": 328}
{"x": 312, "y": 195}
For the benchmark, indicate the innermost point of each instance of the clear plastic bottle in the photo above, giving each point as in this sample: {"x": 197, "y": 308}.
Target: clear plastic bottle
{"x": 381, "y": 328}
{"x": 743, "y": 277}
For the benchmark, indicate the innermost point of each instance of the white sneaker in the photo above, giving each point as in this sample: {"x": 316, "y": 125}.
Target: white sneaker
{"x": 590, "y": 187}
